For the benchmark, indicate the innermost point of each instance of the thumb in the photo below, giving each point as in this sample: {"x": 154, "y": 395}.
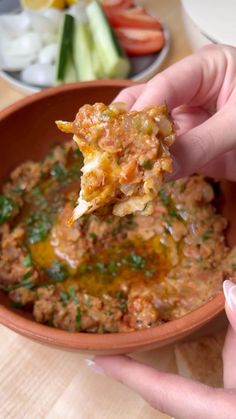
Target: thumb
{"x": 205, "y": 142}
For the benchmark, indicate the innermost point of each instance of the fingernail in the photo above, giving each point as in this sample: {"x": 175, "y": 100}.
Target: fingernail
{"x": 91, "y": 364}
{"x": 175, "y": 171}
{"x": 230, "y": 294}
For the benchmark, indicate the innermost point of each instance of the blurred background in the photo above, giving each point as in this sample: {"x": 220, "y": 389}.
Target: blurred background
{"x": 48, "y": 42}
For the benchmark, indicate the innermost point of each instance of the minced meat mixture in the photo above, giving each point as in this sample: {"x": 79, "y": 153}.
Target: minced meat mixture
{"x": 126, "y": 154}
{"x": 108, "y": 274}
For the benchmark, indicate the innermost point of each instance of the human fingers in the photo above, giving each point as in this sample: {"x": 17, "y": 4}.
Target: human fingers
{"x": 196, "y": 80}
{"x": 187, "y": 117}
{"x": 130, "y": 95}
{"x": 169, "y": 393}
{"x": 230, "y": 341}
{"x": 204, "y": 143}
{"x": 229, "y": 359}
{"x": 223, "y": 166}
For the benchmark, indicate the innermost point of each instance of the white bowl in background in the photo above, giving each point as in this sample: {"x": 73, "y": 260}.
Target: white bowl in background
{"x": 209, "y": 21}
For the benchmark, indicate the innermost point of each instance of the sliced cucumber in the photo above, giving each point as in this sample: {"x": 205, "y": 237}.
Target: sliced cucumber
{"x": 65, "y": 70}
{"x": 116, "y": 64}
{"x": 83, "y": 47}
{"x": 98, "y": 66}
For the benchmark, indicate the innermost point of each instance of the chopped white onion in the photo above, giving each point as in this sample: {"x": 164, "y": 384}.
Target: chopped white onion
{"x": 48, "y": 54}
{"x": 54, "y": 15}
{"x": 15, "y": 25}
{"x": 41, "y": 23}
{"x": 49, "y": 38}
{"x": 15, "y": 63}
{"x": 18, "y": 53}
{"x": 39, "y": 75}
{"x": 29, "y": 43}
{"x": 78, "y": 11}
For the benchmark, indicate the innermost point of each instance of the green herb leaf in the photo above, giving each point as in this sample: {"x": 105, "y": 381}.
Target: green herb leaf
{"x": 136, "y": 261}
{"x": 101, "y": 267}
{"x": 84, "y": 268}
{"x": 27, "y": 261}
{"x": 173, "y": 212}
{"x": 149, "y": 273}
{"x": 7, "y": 207}
{"x": 148, "y": 165}
{"x": 78, "y": 319}
{"x": 164, "y": 197}
{"x": 59, "y": 171}
{"x": 123, "y": 306}
{"x": 17, "y": 304}
{"x": 64, "y": 297}
{"x": 93, "y": 236}
{"x": 112, "y": 266}
{"x": 206, "y": 235}
{"x": 50, "y": 322}
{"x": 57, "y": 271}
{"x": 39, "y": 225}
{"x": 26, "y": 282}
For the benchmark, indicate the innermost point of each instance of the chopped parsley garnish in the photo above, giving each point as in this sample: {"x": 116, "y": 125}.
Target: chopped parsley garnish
{"x": 148, "y": 165}
{"x": 7, "y": 206}
{"x": 71, "y": 293}
{"x": 101, "y": 267}
{"x": 112, "y": 266}
{"x": 123, "y": 306}
{"x": 84, "y": 268}
{"x": 135, "y": 261}
{"x": 57, "y": 271}
{"x": 164, "y": 197}
{"x": 78, "y": 319}
{"x": 173, "y": 213}
{"x": 77, "y": 153}
{"x": 17, "y": 304}
{"x": 93, "y": 236}
{"x": 206, "y": 235}
{"x": 64, "y": 297}
{"x": 26, "y": 282}
{"x": 38, "y": 227}
{"x": 27, "y": 261}
{"x": 59, "y": 171}
{"x": 50, "y": 322}
{"x": 149, "y": 273}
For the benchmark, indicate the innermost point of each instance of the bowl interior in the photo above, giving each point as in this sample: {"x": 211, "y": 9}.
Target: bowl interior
{"x": 27, "y": 131}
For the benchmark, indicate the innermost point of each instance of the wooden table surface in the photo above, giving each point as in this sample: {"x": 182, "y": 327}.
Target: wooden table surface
{"x": 41, "y": 382}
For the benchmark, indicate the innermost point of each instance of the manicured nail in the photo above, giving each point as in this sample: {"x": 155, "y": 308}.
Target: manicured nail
{"x": 91, "y": 364}
{"x": 230, "y": 294}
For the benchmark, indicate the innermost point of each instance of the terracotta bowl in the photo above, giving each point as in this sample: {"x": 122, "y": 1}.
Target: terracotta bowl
{"x": 27, "y": 131}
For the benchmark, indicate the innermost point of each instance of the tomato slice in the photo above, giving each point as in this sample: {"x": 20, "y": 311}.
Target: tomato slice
{"x": 112, "y": 6}
{"x": 140, "y": 41}
{"x": 132, "y": 18}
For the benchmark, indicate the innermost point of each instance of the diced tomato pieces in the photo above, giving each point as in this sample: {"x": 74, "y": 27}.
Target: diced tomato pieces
{"x": 112, "y": 6}
{"x": 140, "y": 41}
{"x": 132, "y": 18}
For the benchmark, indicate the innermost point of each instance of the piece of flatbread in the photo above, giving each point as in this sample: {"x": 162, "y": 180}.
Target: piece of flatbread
{"x": 201, "y": 359}
{"x": 125, "y": 156}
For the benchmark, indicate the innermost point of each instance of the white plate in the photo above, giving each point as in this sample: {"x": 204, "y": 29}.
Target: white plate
{"x": 143, "y": 68}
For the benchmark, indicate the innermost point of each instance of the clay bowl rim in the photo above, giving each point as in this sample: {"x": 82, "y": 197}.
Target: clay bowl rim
{"x": 158, "y": 335}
